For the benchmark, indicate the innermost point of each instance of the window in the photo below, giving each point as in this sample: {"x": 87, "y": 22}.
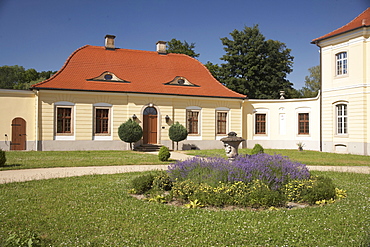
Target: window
{"x": 341, "y": 119}
{"x": 64, "y": 120}
{"x": 341, "y": 63}
{"x": 192, "y": 121}
{"x": 101, "y": 121}
{"x": 303, "y": 123}
{"x": 221, "y": 118}
{"x": 260, "y": 123}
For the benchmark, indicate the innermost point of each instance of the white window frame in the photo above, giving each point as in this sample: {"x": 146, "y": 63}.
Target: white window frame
{"x": 195, "y": 136}
{"x": 341, "y": 63}
{"x": 341, "y": 119}
{"x": 103, "y": 136}
{"x": 222, "y": 110}
{"x": 64, "y": 136}
{"x": 267, "y": 124}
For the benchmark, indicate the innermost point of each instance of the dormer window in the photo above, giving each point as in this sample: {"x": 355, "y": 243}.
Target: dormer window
{"x": 108, "y": 76}
{"x": 181, "y": 81}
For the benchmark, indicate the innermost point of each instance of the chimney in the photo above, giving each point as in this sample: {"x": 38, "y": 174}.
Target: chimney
{"x": 161, "y": 47}
{"x": 109, "y": 42}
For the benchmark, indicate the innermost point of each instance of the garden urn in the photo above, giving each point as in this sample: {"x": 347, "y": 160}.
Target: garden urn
{"x": 231, "y": 144}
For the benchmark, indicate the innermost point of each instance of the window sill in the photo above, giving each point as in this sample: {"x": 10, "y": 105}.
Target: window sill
{"x": 102, "y": 138}
{"x": 64, "y": 138}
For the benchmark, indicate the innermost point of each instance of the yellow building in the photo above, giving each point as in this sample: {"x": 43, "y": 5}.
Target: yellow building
{"x": 345, "y": 69}
{"x": 99, "y": 88}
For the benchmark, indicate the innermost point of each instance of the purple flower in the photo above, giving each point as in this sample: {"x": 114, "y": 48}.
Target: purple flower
{"x": 274, "y": 170}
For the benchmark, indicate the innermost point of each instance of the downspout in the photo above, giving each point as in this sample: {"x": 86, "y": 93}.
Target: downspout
{"x": 37, "y": 119}
{"x": 320, "y": 94}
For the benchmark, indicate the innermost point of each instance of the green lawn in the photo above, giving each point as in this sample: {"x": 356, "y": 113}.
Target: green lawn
{"x": 97, "y": 211}
{"x": 306, "y": 157}
{"x": 47, "y": 159}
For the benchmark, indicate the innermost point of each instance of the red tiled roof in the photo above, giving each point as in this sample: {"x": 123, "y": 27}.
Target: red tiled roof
{"x": 363, "y": 20}
{"x": 145, "y": 72}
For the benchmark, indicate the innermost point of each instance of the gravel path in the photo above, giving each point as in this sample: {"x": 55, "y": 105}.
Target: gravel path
{"x": 10, "y": 176}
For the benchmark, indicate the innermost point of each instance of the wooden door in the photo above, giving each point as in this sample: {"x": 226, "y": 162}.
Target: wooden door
{"x": 18, "y": 134}
{"x": 150, "y": 126}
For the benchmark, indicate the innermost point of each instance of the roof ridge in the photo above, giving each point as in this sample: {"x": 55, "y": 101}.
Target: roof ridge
{"x": 63, "y": 67}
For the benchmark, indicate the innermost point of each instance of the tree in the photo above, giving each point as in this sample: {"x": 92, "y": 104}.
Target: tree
{"x": 254, "y": 66}
{"x": 16, "y": 77}
{"x": 130, "y": 132}
{"x": 177, "y": 133}
{"x": 312, "y": 83}
{"x": 176, "y": 46}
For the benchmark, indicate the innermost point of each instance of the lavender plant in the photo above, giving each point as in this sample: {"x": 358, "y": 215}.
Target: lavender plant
{"x": 273, "y": 170}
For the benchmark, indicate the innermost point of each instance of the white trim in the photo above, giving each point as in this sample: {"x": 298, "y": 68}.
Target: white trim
{"x": 64, "y": 103}
{"x": 64, "y": 138}
{"x": 194, "y": 137}
{"x": 103, "y": 138}
{"x": 346, "y": 87}
{"x": 102, "y": 105}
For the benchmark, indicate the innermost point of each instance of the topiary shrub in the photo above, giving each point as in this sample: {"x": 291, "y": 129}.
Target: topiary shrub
{"x": 164, "y": 154}
{"x": 177, "y": 133}
{"x": 257, "y": 149}
{"x": 2, "y": 157}
{"x": 130, "y": 132}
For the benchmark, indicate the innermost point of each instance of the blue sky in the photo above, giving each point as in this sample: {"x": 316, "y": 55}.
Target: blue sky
{"x": 41, "y": 34}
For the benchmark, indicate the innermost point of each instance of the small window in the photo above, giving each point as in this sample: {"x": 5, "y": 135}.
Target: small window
{"x": 341, "y": 119}
{"x": 221, "y": 123}
{"x": 64, "y": 120}
{"x": 260, "y": 123}
{"x": 181, "y": 81}
{"x": 192, "y": 121}
{"x": 101, "y": 121}
{"x": 303, "y": 124}
{"x": 108, "y": 77}
{"x": 341, "y": 63}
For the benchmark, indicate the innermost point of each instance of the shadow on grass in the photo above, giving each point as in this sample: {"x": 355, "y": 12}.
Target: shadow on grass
{"x": 11, "y": 165}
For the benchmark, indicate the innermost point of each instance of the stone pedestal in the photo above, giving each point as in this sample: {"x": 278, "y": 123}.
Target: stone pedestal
{"x": 231, "y": 144}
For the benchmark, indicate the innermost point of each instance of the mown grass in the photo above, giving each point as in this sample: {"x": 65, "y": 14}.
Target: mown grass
{"x": 314, "y": 158}
{"x": 97, "y": 211}
{"x": 48, "y": 159}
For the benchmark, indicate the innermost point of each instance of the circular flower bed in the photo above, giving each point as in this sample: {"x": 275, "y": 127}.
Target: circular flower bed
{"x": 257, "y": 181}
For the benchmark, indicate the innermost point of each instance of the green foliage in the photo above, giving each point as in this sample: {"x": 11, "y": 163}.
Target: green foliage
{"x": 312, "y": 83}
{"x": 321, "y": 189}
{"x": 257, "y": 149}
{"x": 142, "y": 184}
{"x": 164, "y": 153}
{"x": 176, "y": 46}
{"x": 2, "y": 157}
{"x": 162, "y": 181}
{"x": 23, "y": 238}
{"x": 130, "y": 132}
{"x": 254, "y": 66}
{"x": 16, "y": 77}
{"x": 177, "y": 133}
{"x": 156, "y": 181}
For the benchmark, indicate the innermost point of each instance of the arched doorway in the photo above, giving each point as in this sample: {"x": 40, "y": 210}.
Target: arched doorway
{"x": 150, "y": 126}
{"x": 18, "y": 134}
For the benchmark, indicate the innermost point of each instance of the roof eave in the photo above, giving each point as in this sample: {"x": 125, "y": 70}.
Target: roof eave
{"x": 316, "y": 41}
{"x": 86, "y": 90}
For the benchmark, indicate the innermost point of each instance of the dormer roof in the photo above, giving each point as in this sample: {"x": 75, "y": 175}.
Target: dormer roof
{"x": 363, "y": 20}
{"x": 95, "y": 68}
